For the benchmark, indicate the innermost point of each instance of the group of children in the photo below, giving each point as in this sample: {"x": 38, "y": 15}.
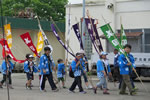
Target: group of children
{"x": 78, "y": 67}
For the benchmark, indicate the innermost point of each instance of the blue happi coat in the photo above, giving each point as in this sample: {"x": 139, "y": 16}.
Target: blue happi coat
{"x": 60, "y": 70}
{"x": 116, "y": 60}
{"x": 4, "y": 67}
{"x": 124, "y": 68}
{"x": 45, "y": 65}
{"x": 100, "y": 68}
{"x": 27, "y": 69}
{"x": 76, "y": 70}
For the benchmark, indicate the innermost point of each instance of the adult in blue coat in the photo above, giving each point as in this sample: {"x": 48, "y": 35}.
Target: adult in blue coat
{"x": 7, "y": 67}
{"x": 126, "y": 70}
{"x": 115, "y": 69}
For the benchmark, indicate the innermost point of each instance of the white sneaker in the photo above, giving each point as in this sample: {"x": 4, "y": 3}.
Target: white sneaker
{"x": 43, "y": 90}
{"x": 90, "y": 87}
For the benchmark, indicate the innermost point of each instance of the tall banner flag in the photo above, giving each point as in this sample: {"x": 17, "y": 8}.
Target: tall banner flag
{"x": 110, "y": 35}
{"x": 123, "y": 38}
{"x": 60, "y": 41}
{"x": 77, "y": 32}
{"x": 46, "y": 41}
{"x": 40, "y": 42}
{"x": 91, "y": 34}
{"x": 28, "y": 41}
{"x": 4, "y": 44}
{"x": 97, "y": 40}
{"x": 7, "y": 29}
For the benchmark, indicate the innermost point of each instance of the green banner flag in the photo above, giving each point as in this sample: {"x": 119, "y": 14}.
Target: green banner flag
{"x": 123, "y": 38}
{"x": 110, "y": 35}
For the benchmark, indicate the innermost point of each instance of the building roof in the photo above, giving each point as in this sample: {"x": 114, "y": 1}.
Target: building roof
{"x": 129, "y": 34}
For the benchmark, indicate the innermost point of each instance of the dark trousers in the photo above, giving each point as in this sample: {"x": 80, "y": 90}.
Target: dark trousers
{"x": 116, "y": 74}
{"x": 50, "y": 80}
{"x": 7, "y": 76}
{"x": 77, "y": 81}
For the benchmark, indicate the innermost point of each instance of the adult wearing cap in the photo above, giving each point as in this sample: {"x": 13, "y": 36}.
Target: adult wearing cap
{"x": 46, "y": 66}
{"x": 83, "y": 69}
{"x": 29, "y": 68}
{"x": 7, "y": 67}
{"x": 103, "y": 70}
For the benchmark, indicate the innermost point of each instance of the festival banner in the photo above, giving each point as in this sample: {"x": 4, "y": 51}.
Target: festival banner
{"x": 110, "y": 35}
{"x": 28, "y": 41}
{"x": 46, "y": 41}
{"x": 40, "y": 42}
{"x": 7, "y": 29}
{"x": 6, "y": 49}
{"x": 90, "y": 31}
{"x": 77, "y": 32}
{"x": 123, "y": 38}
{"x": 97, "y": 38}
{"x": 60, "y": 41}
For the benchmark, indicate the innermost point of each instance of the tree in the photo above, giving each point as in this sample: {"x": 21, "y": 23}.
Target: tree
{"x": 43, "y": 8}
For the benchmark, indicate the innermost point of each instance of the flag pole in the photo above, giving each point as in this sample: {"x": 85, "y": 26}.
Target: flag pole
{"x": 127, "y": 58}
{"x": 121, "y": 30}
{"x": 83, "y": 24}
{"x": 2, "y": 23}
{"x": 61, "y": 33}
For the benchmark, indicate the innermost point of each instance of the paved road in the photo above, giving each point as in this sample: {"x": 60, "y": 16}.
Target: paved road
{"x": 20, "y": 93}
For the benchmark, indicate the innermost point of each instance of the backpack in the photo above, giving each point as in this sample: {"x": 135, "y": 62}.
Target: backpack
{"x": 71, "y": 73}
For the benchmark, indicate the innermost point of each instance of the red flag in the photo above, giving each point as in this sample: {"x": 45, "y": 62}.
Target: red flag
{"x": 28, "y": 41}
{"x": 8, "y": 51}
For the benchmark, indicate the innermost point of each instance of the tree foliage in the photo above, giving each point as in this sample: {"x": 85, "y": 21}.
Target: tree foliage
{"x": 43, "y": 8}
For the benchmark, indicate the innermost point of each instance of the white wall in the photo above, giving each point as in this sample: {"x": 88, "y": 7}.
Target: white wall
{"x": 135, "y": 14}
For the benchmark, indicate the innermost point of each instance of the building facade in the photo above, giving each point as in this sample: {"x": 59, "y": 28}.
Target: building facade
{"x": 133, "y": 14}
{"x": 22, "y": 25}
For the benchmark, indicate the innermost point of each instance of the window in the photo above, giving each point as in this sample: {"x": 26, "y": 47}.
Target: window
{"x": 147, "y": 41}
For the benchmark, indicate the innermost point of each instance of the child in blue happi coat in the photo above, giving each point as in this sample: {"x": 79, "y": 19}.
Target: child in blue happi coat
{"x": 7, "y": 67}
{"x": 61, "y": 71}
{"x": 29, "y": 69}
{"x": 75, "y": 66}
{"x": 103, "y": 70}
